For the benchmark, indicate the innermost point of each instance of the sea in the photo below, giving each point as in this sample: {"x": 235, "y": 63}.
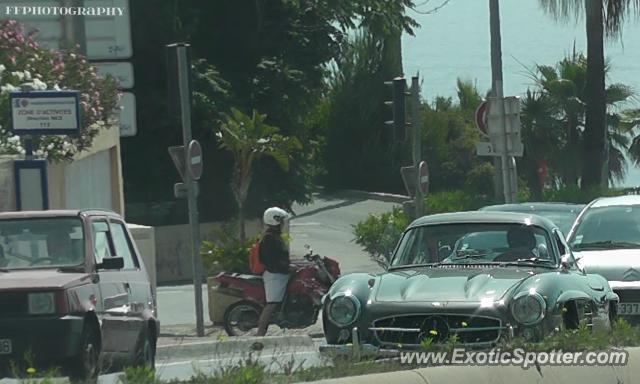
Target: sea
{"x": 454, "y": 42}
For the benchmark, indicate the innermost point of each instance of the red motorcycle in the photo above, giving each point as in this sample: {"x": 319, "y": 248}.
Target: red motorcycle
{"x": 310, "y": 280}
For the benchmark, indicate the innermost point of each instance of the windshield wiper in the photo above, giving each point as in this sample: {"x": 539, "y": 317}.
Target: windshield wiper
{"x": 469, "y": 254}
{"x": 4, "y": 270}
{"x": 608, "y": 244}
{"x": 532, "y": 260}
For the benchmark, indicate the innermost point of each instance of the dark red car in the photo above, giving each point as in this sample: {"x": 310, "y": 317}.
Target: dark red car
{"x": 74, "y": 294}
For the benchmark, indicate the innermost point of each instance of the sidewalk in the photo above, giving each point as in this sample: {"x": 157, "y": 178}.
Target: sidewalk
{"x": 173, "y": 335}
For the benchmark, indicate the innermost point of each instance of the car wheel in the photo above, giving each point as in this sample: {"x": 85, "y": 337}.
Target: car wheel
{"x": 85, "y": 367}
{"x": 241, "y": 318}
{"x": 145, "y": 353}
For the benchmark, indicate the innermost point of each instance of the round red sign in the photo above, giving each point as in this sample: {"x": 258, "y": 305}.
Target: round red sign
{"x": 482, "y": 116}
{"x": 195, "y": 160}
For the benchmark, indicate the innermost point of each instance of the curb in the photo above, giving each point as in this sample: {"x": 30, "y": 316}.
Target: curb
{"x": 506, "y": 374}
{"x": 235, "y": 346}
{"x": 380, "y": 196}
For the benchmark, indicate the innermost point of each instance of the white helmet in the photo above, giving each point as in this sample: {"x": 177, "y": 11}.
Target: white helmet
{"x": 275, "y": 216}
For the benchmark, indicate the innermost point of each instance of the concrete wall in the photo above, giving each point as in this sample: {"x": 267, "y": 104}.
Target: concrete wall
{"x": 173, "y": 249}
{"x": 92, "y": 180}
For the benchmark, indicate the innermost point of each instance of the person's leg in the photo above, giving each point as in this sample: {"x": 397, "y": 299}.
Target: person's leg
{"x": 265, "y": 318}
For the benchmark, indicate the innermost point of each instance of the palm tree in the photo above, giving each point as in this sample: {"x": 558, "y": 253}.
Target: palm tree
{"x": 249, "y": 138}
{"x": 554, "y": 116}
{"x": 603, "y": 18}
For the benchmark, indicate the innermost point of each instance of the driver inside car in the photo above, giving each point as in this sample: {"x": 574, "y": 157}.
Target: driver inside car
{"x": 60, "y": 249}
{"x": 522, "y": 244}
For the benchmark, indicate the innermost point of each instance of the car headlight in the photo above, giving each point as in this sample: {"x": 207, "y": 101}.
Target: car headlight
{"x": 528, "y": 308}
{"x": 42, "y": 303}
{"x": 344, "y": 310}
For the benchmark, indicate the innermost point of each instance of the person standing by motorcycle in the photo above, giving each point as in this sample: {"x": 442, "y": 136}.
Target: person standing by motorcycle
{"x": 274, "y": 254}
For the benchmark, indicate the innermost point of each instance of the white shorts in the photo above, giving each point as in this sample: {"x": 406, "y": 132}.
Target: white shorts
{"x": 275, "y": 286}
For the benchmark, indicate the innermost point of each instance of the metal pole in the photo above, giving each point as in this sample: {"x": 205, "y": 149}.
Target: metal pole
{"x": 185, "y": 108}
{"x": 497, "y": 92}
{"x": 416, "y": 130}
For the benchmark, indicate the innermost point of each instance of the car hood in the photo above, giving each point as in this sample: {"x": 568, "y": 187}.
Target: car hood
{"x": 40, "y": 279}
{"x": 612, "y": 264}
{"x": 450, "y": 284}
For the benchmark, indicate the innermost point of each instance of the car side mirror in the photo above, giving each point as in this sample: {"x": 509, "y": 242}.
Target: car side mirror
{"x": 115, "y": 262}
{"x": 567, "y": 262}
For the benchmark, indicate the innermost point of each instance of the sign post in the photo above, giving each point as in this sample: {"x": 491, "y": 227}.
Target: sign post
{"x": 188, "y": 159}
{"x": 33, "y": 114}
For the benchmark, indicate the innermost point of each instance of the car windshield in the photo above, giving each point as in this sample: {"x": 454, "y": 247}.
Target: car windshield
{"x": 607, "y": 228}
{"x": 563, "y": 219}
{"x": 41, "y": 243}
{"x": 474, "y": 243}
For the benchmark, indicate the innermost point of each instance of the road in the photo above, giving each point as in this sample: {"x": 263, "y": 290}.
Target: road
{"x": 326, "y": 225}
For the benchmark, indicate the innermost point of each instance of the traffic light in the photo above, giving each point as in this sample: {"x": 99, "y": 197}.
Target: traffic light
{"x": 399, "y": 107}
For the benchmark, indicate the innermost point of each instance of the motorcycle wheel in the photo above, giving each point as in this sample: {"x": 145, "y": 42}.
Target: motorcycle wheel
{"x": 241, "y": 318}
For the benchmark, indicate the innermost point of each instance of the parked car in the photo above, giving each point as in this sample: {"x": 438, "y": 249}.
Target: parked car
{"x": 562, "y": 214}
{"x": 483, "y": 277}
{"x": 74, "y": 293}
{"x": 606, "y": 241}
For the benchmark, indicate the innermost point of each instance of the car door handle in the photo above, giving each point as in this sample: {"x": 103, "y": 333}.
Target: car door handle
{"x": 127, "y": 287}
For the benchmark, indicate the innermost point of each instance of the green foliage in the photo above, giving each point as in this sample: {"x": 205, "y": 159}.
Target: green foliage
{"x": 360, "y": 152}
{"x": 138, "y": 375}
{"x": 454, "y": 201}
{"x": 449, "y": 139}
{"x": 379, "y": 234}
{"x": 574, "y": 194}
{"x": 249, "y": 139}
{"x": 23, "y": 61}
{"x": 226, "y": 253}
{"x": 553, "y": 121}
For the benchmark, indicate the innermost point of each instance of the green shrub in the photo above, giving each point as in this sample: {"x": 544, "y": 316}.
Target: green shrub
{"x": 573, "y": 194}
{"x": 138, "y": 375}
{"x": 379, "y": 234}
{"x": 454, "y": 201}
{"x": 226, "y": 253}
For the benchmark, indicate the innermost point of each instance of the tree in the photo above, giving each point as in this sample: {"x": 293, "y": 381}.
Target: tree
{"x": 554, "y": 116}
{"x": 249, "y": 139}
{"x": 603, "y": 18}
{"x": 24, "y": 62}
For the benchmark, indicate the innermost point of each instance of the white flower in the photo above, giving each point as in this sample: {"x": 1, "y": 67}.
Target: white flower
{"x": 39, "y": 153}
{"x": 100, "y": 123}
{"x": 56, "y": 87}
{"x": 73, "y": 55}
{"x": 39, "y": 84}
{"x": 66, "y": 146}
{"x": 18, "y": 74}
{"x": 8, "y": 88}
{"x": 50, "y": 146}
{"x": 14, "y": 139}
{"x": 2, "y": 68}
{"x": 27, "y": 75}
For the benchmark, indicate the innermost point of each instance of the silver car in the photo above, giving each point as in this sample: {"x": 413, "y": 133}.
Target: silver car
{"x": 606, "y": 240}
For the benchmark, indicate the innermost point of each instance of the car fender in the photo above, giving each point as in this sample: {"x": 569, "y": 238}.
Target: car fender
{"x": 355, "y": 284}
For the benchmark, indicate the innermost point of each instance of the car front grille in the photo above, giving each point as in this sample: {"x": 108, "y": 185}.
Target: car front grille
{"x": 412, "y": 330}
{"x": 13, "y": 304}
{"x": 628, "y": 295}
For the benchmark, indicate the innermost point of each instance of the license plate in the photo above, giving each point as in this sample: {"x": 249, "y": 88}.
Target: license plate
{"x": 629, "y": 308}
{"x": 5, "y": 346}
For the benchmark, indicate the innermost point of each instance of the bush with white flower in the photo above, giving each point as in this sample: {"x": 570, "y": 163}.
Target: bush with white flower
{"x": 22, "y": 62}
